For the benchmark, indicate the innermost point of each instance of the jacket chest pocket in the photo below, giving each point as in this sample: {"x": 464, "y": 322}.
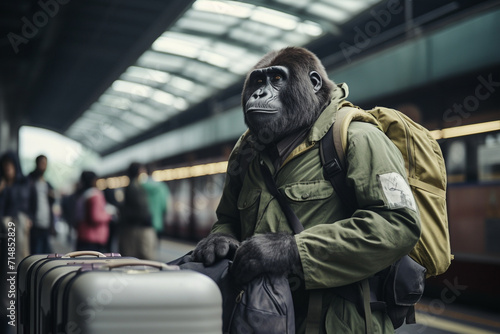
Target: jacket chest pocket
{"x": 312, "y": 201}
{"x": 309, "y": 191}
{"x": 248, "y": 206}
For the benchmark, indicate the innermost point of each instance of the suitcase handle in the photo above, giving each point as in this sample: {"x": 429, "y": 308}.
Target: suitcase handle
{"x": 84, "y": 253}
{"x": 155, "y": 264}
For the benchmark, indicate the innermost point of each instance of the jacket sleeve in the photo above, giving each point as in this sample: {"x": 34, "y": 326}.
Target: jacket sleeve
{"x": 383, "y": 228}
{"x": 96, "y": 211}
{"x": 228, "y": 216}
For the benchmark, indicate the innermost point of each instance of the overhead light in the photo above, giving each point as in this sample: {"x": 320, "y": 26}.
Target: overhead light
{"x": 231, "y": 8}
{"x": 148, "y": 74}
{"x": 113, "y": 101}
{"x": 131, "y": 88}
{"x": 336, "y": 15}
{"x": 190, "y": 171}
{"x": 163, "y": 97}
{"x": 214, "y": 59}
{"x": 310, "y": 28}
{"x": 113, "y": 133}
{"x": 181, "y": 83}
{"x": 466, "y": 130}
{"x": 275, "y": 18}
{"x": 175, "y": 46}
{"x": 180, "y": 103}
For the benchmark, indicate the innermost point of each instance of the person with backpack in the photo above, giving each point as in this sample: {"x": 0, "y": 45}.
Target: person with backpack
{"x": 280, "y": 215}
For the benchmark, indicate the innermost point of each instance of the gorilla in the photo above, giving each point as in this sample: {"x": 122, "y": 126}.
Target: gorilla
{"x": 283, "y": 95}
{"x": 285, "y": 92}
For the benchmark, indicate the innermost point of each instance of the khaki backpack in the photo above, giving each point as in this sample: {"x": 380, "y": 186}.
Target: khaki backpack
{"x": 425, "y": 171}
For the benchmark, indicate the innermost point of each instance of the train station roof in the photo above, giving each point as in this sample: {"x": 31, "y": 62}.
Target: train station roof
{"x": 111, "y": 73}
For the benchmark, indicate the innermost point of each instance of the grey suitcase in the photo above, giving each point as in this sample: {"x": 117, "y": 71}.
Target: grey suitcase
{"x": 27, "y": 275}
{"x": 138, "y": 297}
{"x": 47, "y": 283}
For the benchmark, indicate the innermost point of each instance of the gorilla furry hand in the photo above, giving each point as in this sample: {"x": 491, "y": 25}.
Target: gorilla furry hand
{"x": 215, "y": 247}
{"x": 272, "y": 253}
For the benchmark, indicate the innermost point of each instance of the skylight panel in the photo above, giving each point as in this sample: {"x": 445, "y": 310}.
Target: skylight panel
{"x": 328, "y": 12}
{"x": 113, "y": 133}
{"x": 113, "y": 101}
{"x": 203, "y": 27}
{"x": 181, "y": 83}
{"x": 147, "y": 111}
{"x": 131, "y": 88}
{"x": 142, "y": 73}
{"x": 296, "y": 3}
{"x": 176, "y": 46}
{"x": 229, "y": 8}
{"x": 161, "y": 61}
{"x": 353, "y": 6}
{"x": 274, "y": 18}
{"x": 163, "y": 97}
{"x": 136, "y": 120}
{"x": 310, "y": 28}
{"x": 210, "y": 17}
{"x": 214, "y": 58}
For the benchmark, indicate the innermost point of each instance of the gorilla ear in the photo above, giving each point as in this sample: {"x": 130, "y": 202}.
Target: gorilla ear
{"x": 316, "y": 81}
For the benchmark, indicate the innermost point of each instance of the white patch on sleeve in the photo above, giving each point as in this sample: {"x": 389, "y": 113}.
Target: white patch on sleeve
{"x": 397, "y": 191}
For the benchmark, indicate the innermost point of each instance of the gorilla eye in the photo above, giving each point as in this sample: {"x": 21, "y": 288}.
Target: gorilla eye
{"x": 277, "y": 77}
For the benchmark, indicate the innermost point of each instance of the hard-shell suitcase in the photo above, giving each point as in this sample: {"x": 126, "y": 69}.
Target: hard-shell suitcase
{"x": 47, "y": 285}
{"x": 27, "y": 275}
{"x": 138, "y": 297}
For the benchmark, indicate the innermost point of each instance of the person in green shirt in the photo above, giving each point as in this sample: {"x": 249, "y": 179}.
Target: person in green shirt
{"x": 157, "y": 194}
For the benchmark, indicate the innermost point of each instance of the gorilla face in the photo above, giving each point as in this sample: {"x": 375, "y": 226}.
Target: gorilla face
{"x": 264, "y": 107}
{"x": 284, "y": 93}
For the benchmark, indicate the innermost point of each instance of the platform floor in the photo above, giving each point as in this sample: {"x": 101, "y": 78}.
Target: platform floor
{"x": 434, "y": 315}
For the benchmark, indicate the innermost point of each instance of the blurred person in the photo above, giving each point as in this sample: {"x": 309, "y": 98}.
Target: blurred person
{"x": 91, "y": 215}
{"x": 112, "y": 208}
{"x": 157, "y": 194}
{"x": 41, "y": 207}
{"x": 14, "y": 205}
{"x": 137, "y": 235}
{"x": 15, "y": 193}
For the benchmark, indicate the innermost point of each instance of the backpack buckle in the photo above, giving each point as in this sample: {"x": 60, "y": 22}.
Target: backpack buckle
{"x": 332, "y": 168}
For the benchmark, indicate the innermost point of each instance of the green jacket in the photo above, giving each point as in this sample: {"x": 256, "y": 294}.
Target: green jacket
{"x": 157, "y": 193}
{"x": 335, "y": 248}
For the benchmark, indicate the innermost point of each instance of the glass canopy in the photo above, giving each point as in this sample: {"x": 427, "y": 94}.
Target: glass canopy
{"x": 208, "y": 49}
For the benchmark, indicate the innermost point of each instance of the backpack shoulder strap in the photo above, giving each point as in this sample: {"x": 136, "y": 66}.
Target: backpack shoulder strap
{"x": 333, "y": 160}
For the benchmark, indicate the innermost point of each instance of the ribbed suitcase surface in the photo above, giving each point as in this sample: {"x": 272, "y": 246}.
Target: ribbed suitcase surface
{"x": 30, "y": 271}
{"x": 138, "y": 299}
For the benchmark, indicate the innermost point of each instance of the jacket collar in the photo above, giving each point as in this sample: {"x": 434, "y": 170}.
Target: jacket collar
{"x": 328, "y": 116}
{"x": 323, "y": 123}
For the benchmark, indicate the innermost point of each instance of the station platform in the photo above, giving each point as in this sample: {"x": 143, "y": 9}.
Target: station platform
{"x": 434, "y": 315}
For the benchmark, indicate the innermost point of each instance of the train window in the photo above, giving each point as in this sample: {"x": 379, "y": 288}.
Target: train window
{"x": 474, "y": 158}
{"x": 488, "y": 158}
{"x": 456, "y": 161}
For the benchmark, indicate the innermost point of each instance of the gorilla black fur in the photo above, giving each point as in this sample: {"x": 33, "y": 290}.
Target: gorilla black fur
{"x": 271, "y": 253}
{"x": 301, "y": 104}
{"x": 215, "y": 247}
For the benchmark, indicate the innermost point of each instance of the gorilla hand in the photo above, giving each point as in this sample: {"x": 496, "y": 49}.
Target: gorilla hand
{"x": 273, "y": 253}
{"x": 215, "y": 247}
